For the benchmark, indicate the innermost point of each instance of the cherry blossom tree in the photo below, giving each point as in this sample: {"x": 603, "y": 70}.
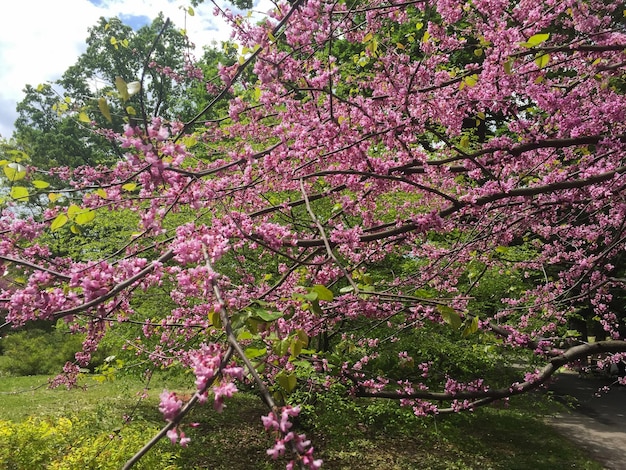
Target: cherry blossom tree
{"x": 379, "y": 164}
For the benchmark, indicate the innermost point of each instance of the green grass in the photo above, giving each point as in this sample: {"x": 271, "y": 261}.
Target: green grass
{"x": 364, "y": 434}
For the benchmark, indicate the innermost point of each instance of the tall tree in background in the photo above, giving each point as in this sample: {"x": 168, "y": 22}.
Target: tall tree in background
{"x": 55, "y": 121}
{"x": 381, "y": 165}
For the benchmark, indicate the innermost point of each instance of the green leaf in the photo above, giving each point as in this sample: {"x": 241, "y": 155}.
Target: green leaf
{"x": 85, "y": 217}
{"x": 450, "y": 316}
{"x": 535, "y": 40}
{"x": 265, "y": 315}
{"x": 311, "y": 296}
{"x": 14, "y": 171}
{"x": 83, "y": 117}
{"x": 59, "y": 221}
{"x": 287, "y": 381}
{"x": 281, "y": 347}
{"x": 101, "y": 192}
{"x": 469, "y": 81}
{"x": 130, "y": 110}
{"x": 471, "y": 327}
{"x": 129, "y": 187}
{"x": 508, "y": 66}
{"x": 244, "y": 335}
{"x": 345, "y": 290}
{"x": 104, "y": 108}
{"x": 296, "y": 346}
{"x": 190, "y": 11}
{"x": 316, "y": 308}
{"x": 214, "y": 318}
{"x": 73, "y": 211}
{"x": 252, "y": 353}
{"x": 303, "y": 337}
{"x": 19, "y": 192}
{"x": 323, "y": 293}
{"x": 122, "y": 88}
{"x": 543, "y": 60}
{"x": 40, "y": 184}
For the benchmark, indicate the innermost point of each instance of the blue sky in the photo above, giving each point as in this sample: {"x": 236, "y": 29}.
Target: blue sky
{"x": 39, "y": 40}
{"x": 135, "y": 21}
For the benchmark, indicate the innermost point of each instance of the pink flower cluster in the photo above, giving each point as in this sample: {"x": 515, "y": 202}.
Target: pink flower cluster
{"x": 206, "y": 363}
{"x": 300, "y": 443}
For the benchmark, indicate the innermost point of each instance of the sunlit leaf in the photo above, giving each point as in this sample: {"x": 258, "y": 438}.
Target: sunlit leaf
{"x": 543, "y": 60}
{"x": 19, "y": 192}
{"x": 59, "y": 221}
{"x": 40, "y": 184}
{"x": 214, "y": 318}
{"x": 83, "y": 117}
{"x": 252, "y": 353}
{"x": 129, "y": 187}
{"x": 508, "y": 67}
{"x": 85, "y": 217}
{"x": 470, "y": 80}
{"x": 14, "y": 171}
{"x": 323, "y": 293}
{"x": 104, "y": 108}
{"x": 73, "y": 211}
{"x": 122, "y": 88}
{"x": 54, "y": 197}
{"x": 535, "y": 40}
{"x": 133, "y": 88}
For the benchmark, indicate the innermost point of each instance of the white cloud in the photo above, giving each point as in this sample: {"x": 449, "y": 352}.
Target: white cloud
{"x": 40, "y": 39}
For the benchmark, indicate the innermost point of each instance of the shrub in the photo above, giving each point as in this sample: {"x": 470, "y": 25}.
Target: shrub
{"x": 71, "y": 444}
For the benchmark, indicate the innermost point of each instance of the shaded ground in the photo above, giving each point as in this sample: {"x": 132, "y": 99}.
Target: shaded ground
{"x": 598, "y": 418}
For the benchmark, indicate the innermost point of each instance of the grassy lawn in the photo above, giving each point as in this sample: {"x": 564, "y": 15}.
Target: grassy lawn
{"x": 364, "y": 435}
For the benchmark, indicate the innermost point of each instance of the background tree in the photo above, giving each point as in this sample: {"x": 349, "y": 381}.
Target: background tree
{"x": 55, "y": 122}
{"x": 346, "y": 210}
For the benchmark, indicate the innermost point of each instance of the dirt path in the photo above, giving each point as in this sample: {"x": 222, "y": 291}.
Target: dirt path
{"x": 598, "y": 421}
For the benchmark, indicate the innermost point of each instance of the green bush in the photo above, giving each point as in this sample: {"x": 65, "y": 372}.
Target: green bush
{"x": 36, "y": 351}
{"x": 72, "y": 444}
{"x": 42, "y": 351}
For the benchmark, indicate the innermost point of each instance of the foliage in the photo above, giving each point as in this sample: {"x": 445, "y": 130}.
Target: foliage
{"x": 71, "y": 444}
{"x": 35, "y": 351}
{"x": 62, "y": 123}
{"x": 366, "y": 433}
{"x": 377, "y": 197}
